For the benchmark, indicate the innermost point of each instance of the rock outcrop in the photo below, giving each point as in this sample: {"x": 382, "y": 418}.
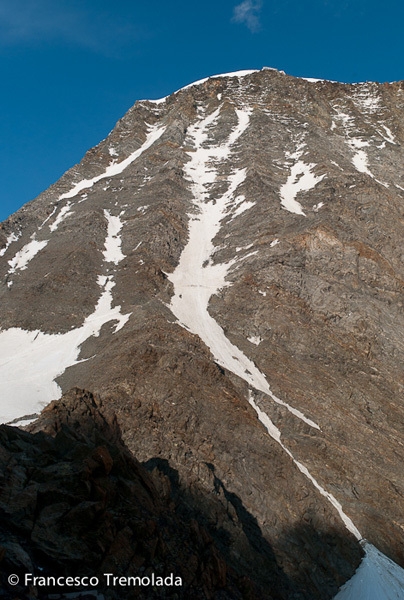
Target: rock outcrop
{"x": 74, "y": 502}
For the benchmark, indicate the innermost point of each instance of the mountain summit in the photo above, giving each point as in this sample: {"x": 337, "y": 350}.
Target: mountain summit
{"x": 225, "y": 271}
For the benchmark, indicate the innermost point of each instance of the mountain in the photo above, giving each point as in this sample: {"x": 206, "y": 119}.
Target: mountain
{"x": 224, "y": 272}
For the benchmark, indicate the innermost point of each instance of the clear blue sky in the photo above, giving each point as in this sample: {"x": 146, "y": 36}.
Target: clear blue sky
{"x": 71, "y": 68}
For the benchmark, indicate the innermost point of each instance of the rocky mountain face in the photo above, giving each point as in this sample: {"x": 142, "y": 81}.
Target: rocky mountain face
{"x": 225, "y": 273}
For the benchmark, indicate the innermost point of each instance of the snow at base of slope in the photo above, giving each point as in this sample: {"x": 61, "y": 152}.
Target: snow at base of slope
{"x": 377, "y": 578}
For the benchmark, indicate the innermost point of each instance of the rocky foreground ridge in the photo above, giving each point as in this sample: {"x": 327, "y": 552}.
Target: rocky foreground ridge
{"x": 74, "y": 502}
{"x": 224, "y": 271}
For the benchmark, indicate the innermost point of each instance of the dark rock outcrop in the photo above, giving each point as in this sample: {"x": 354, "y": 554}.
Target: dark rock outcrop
{"x": 74, "y": 502}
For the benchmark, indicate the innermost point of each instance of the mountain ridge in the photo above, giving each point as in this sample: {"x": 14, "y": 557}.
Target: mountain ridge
{"x": 289, "y": 190}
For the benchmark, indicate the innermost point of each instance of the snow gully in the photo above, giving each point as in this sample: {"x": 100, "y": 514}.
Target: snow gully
{"x": 196, "y": 278}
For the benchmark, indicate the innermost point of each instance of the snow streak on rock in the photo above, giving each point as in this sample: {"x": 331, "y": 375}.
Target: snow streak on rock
{"x": 30, "y": 250}
{"x": 25, "y": 255}
{"x": 377, "y": 578}
{"x": 301, "y": 179}
{"x": 360, "y": 158}
{"x": 276, "y": 435}
{"x": 35, "y": 359}
{"x": 200, "y": 81}
{"x": 196, "y": 279}
{"x": 64, "y": 212}
{"x": 48, "y": 217}
{"x": 155, "y": 132}
{"x": 367, "y": 99}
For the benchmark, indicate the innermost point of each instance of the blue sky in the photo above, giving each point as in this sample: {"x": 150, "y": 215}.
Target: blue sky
{"x": 71, "y": 68}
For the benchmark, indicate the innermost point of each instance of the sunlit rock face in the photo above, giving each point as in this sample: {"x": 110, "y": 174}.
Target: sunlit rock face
{"x": 226, "y": 271}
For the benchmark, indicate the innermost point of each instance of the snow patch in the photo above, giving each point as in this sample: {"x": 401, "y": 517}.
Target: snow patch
{"x": 255, "y": 339}
{"x": 113, "y": 252}
{"x": 360, "y": 158}
{"x": 239, "y": 248}
{"x": 301, "y": 179}
{"x": 317, "y": 207}
{"x": 11, "y": 238}
{"x": 336, "y": 164}
{"x": 25, "y": 255}
{"x": 240, "y": 205}
{"x": 32, "y": 360}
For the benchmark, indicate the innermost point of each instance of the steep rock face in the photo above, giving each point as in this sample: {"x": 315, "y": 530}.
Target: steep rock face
{"x": 229, "y": 252}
